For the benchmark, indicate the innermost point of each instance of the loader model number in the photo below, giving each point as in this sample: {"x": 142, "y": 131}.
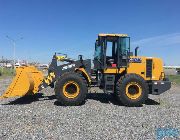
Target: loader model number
{"x": 68, "y": 67}
{"x": 135, "y": 60}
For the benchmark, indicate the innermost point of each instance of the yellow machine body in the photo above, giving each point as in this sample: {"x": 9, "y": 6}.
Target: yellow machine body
{"x": 26, "y": 82}
{"x": 140, "y": 68}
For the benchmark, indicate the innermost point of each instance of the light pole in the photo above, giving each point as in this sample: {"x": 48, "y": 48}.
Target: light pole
{"x": 14, "y": 47}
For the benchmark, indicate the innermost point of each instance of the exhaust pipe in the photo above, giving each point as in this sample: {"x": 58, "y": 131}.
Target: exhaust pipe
{"x": 136, "y": 49}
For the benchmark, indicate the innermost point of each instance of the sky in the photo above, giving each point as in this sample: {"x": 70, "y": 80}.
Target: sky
{"x": 72, "y": 26}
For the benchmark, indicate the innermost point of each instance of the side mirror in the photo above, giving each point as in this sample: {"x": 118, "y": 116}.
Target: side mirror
{"x": 80, "y": 57}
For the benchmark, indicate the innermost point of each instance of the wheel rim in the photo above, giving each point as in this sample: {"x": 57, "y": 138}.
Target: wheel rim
{"x": 133, "y": 90}
{"x": 71, "y": 89}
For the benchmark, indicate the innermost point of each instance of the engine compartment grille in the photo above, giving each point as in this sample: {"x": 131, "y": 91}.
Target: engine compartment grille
{"x": 148, "y": 68}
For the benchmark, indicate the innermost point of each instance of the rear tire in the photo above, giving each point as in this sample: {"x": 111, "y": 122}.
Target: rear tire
{"x": 71, "y": 89}
{"x": 132, "y": 90}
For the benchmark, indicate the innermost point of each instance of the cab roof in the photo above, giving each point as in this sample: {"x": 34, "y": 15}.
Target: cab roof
{"x": 111, "y": 35}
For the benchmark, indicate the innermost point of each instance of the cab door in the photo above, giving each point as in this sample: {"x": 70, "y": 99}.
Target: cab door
{"x": 123, "y": 51}
{"x": 98, "y": 61}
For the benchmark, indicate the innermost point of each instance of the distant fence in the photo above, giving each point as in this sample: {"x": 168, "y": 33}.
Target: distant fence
{"x": 6, "y": 61}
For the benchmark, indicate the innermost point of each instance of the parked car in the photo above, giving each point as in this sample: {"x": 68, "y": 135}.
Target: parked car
{"x": 8, "y": 65}
{"x": 17, "y": 65}
{"x": 178, "y": 71}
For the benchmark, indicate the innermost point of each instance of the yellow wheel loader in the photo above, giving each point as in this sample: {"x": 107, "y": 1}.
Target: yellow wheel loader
{"x": 129, "y": 78}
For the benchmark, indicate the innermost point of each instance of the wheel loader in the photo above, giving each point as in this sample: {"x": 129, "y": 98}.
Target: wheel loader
{"x": 127, "y": 77}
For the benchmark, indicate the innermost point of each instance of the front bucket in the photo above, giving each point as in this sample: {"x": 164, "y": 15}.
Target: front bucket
{"x": 26, "y": 81}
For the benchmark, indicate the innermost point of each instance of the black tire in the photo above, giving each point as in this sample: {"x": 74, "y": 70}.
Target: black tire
{"x": 71, "y": 78}
{"x": 132, "y": 90}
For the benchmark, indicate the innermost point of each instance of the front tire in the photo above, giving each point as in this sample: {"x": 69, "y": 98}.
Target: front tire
{"x": 132, "y": 90}
{"x": 71, "y": 89}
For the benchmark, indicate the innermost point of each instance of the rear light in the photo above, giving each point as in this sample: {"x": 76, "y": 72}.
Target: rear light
{"x": 113, "y": 65}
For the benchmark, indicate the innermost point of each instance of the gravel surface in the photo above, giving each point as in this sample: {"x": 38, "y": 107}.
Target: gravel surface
{"x": 101, "y": 117}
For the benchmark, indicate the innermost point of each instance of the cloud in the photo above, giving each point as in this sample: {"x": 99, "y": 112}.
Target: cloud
{"x": 163, "y": 40}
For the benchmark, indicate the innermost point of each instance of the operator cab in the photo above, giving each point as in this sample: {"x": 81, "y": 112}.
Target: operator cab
{"x": 111, "y": 51}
